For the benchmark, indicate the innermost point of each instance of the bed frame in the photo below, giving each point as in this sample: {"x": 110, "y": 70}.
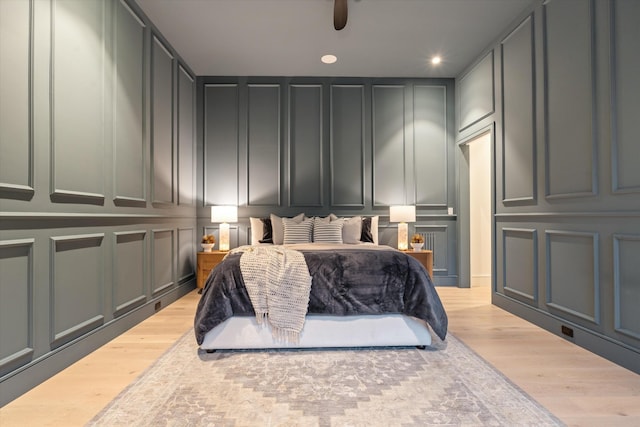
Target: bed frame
{"x": 323, "y": 331}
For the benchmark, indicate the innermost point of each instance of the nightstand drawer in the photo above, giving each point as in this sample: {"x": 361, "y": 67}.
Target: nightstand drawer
{"x": 206, "y": 262}
{"x": 425, "y": 257}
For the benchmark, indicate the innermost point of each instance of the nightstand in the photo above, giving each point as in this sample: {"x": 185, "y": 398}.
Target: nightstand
{"x": 425, "y": 257}
{"x": 206, "y": 262}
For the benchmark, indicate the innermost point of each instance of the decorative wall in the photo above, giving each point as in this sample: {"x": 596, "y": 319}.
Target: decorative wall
{"x": 567, "y": 210}
{"x": 320, "y": 145}
{"x": 97, "y": 181}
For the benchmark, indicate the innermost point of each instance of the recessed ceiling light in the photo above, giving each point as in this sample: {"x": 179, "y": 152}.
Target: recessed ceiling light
{"x": 436, "y": 60}
{"x": 329, "y": 59}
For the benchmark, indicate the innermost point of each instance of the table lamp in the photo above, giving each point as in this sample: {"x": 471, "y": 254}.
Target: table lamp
{"x": 402, "y": 215}
{"x": 224, "y": 215}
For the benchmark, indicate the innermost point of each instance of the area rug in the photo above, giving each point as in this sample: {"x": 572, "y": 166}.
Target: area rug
{"x": 446, "y": 384}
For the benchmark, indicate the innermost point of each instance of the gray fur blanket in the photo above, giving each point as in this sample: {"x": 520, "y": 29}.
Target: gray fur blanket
{"x": 345, "y": 282}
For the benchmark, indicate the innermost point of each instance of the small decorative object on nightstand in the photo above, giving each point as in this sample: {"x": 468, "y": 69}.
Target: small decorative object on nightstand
{"x": 417, "y": 241}
{"x": 208, "y": 242}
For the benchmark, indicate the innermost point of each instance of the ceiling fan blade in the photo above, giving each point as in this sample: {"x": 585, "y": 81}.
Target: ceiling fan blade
{"x": 339, "y": 14}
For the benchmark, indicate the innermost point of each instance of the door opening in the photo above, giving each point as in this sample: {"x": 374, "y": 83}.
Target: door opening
{"x": 480, "y": 210}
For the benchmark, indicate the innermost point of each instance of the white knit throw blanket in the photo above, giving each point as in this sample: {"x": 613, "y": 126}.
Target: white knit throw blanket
{"x": 278, "y": 283}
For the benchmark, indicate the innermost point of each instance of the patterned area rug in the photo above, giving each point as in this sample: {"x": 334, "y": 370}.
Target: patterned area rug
{"x": 445, "y": 385}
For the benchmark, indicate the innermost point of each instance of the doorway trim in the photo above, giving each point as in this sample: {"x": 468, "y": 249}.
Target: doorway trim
{"x": 464, "y": 209}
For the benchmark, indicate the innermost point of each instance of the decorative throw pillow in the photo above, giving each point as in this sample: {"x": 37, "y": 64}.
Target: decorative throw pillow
{"x": 267, "y": 235}
{"x": 352, "y": 230}
{"x": 328, "y": 232}
{"x": 257, "y": 231}
{"x": 365, "y": 235}
{"x": 297, "y": 232}
{"x": 278, "y": 229}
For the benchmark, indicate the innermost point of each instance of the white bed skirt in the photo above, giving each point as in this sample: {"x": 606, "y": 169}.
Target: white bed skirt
{"x": 322, "y": 331}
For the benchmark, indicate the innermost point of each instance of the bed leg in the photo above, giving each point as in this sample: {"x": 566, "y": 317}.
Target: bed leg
{"x": 210, "y": 350}
{"x": 421, "y": 347}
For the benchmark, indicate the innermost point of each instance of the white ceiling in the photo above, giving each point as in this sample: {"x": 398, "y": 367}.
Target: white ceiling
{"x": 383, "y": 38}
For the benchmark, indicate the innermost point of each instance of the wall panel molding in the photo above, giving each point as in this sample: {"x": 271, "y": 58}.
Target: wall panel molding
{"x": 221, "y": 141}
{"x": 186, "y": 137}
{"x": 16, "y": 303}
{"x": 519, "y": 166}
{"x": 520, "y": 263}
{"x": 162, "y": 260}
{"x": 573, "y": 273}
{"x": 16, "y": 100}
{"x": 186, "y": 251}
{"x": 129, "y": 108}
{"x": 162, "y": 123}
{"x": 570, "y": 97}
{"x": 477, "y": 94}
{"x": 77, "y": 102}
{"x": 347, "y": 145}
{"x": 430, "y": 145}
{"x": 129, "y": 271}
{"x": 625, "y": 95}
{"x": 77, "y": 274}
{"x": 389, "y": 145}
{"x": 264, "y": 142}
{"x": 626, "y": 276}
{"x": 305, "y": 146}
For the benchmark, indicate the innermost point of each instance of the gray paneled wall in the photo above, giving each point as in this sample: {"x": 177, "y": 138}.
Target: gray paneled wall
{"x": 319, "y": 145}
{"x": 97, "y": 182}
{"x": 567, "y": 211}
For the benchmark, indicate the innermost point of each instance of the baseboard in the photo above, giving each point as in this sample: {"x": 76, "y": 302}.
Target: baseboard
{"x": 25, "y": 378}
{"x": 445, "y": 280}
{"x": 606, "y": 347}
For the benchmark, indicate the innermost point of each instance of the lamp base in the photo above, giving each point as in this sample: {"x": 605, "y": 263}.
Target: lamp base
{"x": 224, "y": 236}
{"x": 403, "y": 236}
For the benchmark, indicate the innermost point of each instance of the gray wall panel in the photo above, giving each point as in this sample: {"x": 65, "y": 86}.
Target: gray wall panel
{"x": 221, "y": 144}
{"x": 347, "y": 146}
{"x": 569, "y": 98}
{"x": 518, "y": 111}
{"x": 626, "y": 95}
{"x": 77, "y": 282}
{"x": 264, "y": 141}
{"x": 430, "y": 145}
{"x": 186, "y": 138}
{"x": 440, "y": 238}
{"x": 162, "y": 259}
{"x": 476, "y": 98}
{"x": 389, "y": 169}
{"x": 162, "y": 158}
{"x": 626, "y": 273}
{"x": 16, "y": 145}
{"x": 305, "y": 146}
{"x": 573, "y": 280}
{"x": 77, "y": 111}
{"x": 130, "y": 144}
{"x": 129, "y": 265}
{"x": 16, "y": 303}
{"x": 186, "y": 254}
{"x": 520, "y": 263}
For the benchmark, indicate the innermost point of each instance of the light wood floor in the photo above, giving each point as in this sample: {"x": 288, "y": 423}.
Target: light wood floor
{"x": 579, "y": 387}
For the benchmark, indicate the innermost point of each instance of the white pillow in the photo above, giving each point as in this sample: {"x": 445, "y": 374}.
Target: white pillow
{"x": 328, "y": 232}
{"x": 257, "y": 230}
{"x": 351, "y": 230}
{"x": 374, "y": 229}
{"x": 297, "y": 232}
{"x": 277, "y": 227}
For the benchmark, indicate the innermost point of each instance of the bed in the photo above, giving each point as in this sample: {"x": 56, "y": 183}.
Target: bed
{"x": 359, "y": 295}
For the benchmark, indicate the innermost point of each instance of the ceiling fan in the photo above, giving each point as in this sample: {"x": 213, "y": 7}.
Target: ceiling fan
{"x": 339, "y": 14}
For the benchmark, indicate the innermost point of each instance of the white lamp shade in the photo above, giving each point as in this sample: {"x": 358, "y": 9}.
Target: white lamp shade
{"x": 402, "y": 213}
{"x": 224, "y": 214}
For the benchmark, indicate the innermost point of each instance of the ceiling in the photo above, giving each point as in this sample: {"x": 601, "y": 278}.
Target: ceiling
{"x": 383, "y": 38}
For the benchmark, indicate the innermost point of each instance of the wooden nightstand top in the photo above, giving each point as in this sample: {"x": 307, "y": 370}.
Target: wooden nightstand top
{"x": 425, "y": 256}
